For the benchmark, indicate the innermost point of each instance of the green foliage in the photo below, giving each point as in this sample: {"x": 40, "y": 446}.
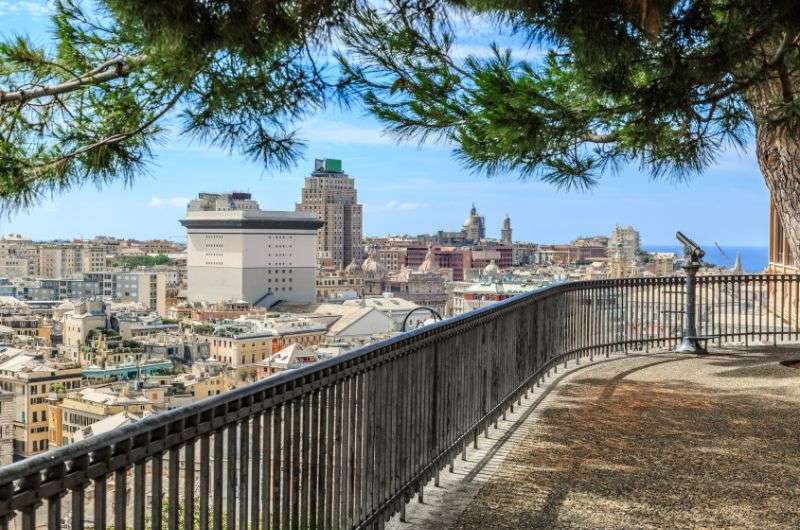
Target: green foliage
{"x": 203, "y": 329}
{"x": 91, "y": 105}
{"x": 664, "y": 83}
{"x": 132, "y": 262}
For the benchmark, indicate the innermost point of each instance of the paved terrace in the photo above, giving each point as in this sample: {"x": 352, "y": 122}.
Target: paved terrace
{"x": 647, "y": 441}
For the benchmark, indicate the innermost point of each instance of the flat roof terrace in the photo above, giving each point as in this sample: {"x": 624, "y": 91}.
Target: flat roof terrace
{"x": 658, "y": 440}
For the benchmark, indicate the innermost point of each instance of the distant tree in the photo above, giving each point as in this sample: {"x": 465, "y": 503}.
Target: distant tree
{"x": 142, "y": 261}
{"x": 666, "y": 84}
{"x": 202, "y": 329}
{"x": 90, "y": 105}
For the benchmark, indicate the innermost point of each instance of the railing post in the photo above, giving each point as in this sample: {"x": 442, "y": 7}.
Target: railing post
{"x": 689, "y": 342}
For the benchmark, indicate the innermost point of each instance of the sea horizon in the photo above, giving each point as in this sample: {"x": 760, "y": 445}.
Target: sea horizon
{"x": 754, "y": 258}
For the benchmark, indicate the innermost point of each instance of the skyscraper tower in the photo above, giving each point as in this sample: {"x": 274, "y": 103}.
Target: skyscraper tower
{"x": 505, "y": 232}
{"x": 331, "y": 194}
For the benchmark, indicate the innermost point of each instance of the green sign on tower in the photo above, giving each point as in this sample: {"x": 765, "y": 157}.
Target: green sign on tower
{"x": 333, "y": 166}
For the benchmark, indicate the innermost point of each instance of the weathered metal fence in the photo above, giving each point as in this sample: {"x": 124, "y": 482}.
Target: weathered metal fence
{"x": 347, "y": 442}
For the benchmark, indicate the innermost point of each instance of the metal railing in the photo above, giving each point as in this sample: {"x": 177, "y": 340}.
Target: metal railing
{"x": 347, "y": 442}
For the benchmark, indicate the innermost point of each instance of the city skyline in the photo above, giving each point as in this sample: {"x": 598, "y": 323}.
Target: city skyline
{"x": 398, "y": 216}
{"x": 404, "y": 188}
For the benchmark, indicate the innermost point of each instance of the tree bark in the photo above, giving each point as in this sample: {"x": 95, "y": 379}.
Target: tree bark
{"x": 778, "y": 153}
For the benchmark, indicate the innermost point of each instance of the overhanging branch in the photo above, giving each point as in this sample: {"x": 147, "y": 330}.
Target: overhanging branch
{"x": 112, "y": 69}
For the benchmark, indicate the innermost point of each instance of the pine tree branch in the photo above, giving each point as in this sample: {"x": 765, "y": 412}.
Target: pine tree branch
{"x": 115, "y": 68}
{"x": 108, "y": 140}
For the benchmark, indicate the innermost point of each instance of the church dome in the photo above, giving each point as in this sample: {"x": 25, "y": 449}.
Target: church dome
{"x": 473, "y": 218}
{"x": 491, "y": 269}
{"x": 372, "y": 266}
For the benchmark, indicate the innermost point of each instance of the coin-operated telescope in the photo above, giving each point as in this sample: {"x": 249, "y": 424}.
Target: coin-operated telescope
{"x": 691, "y": 342}
{"x": 691, "y": 250}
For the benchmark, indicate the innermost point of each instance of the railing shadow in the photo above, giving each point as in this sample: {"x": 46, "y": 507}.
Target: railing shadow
{"x": 613, "y": 453}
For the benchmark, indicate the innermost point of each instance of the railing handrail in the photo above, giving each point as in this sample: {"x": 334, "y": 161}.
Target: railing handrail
{"x": 463, "y": 372}
{"x": 43, "y": 461}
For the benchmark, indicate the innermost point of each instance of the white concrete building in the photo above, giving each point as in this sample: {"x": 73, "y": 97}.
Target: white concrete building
{"x": 236, "y": 251}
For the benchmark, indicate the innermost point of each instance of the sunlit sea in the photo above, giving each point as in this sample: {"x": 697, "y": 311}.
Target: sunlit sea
{"x": 754, "y": 259}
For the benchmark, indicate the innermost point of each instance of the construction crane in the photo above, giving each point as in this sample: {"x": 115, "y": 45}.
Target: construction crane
{"x": 722, "y": 251}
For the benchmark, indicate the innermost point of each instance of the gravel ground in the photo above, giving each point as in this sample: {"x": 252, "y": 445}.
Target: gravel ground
{"x": 658, "y": 441}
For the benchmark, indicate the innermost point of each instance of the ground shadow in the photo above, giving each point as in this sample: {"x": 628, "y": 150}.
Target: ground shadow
{"x": 649, "y": 455}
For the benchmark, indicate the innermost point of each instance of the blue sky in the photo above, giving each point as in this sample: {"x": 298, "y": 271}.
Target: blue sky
{"x": 404, "y": 188}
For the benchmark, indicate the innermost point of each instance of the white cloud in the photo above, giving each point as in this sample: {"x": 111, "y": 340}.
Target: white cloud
{"x": 397, "y": 206}
{"x": 337, "y": 132}
{"x": 26, "y": 7}
{"x": 167, "y": 202}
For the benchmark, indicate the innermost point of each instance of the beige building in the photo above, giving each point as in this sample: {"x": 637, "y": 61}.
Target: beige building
{"x": 14, "y": 262}
{"x": 393, "y": 258}
{"x": 212, "y": 385}
{"x": 331, "y": 194}
{"x": 148, "y": 287}
{"x": 624, "y": 244}
{"x": 31, "y": 378}
{"x": 93, "y": 259}
{"x": 68, "y": 259}
{"x": 237, "y": 347}
{"x": 58, "y": 261}
{"x": 89, "y": 406}
{"x": 76, "y": 324}
{"x": 781, "y": 258}
{"x": 6, "y": 427}
{"x": 663, "y": 263}
{"x": 339, "y": 285}
{"x": 505, "y": 232}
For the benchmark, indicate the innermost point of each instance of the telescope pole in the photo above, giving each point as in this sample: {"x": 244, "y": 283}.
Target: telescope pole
{"x": 690, "y": 344}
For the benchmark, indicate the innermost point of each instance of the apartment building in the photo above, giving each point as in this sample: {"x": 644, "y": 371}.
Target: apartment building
{"x": 30, "y": 377}
{"x": 77, "y": 323}
{"x": 88, "y": 406}
{"x": 146, "y": 287}
{"x": 244, "y": 342}
{"x": 6, "y": 427}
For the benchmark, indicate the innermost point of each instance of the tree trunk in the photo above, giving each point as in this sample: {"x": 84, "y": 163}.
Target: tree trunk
{"x": 778, "y": 154}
